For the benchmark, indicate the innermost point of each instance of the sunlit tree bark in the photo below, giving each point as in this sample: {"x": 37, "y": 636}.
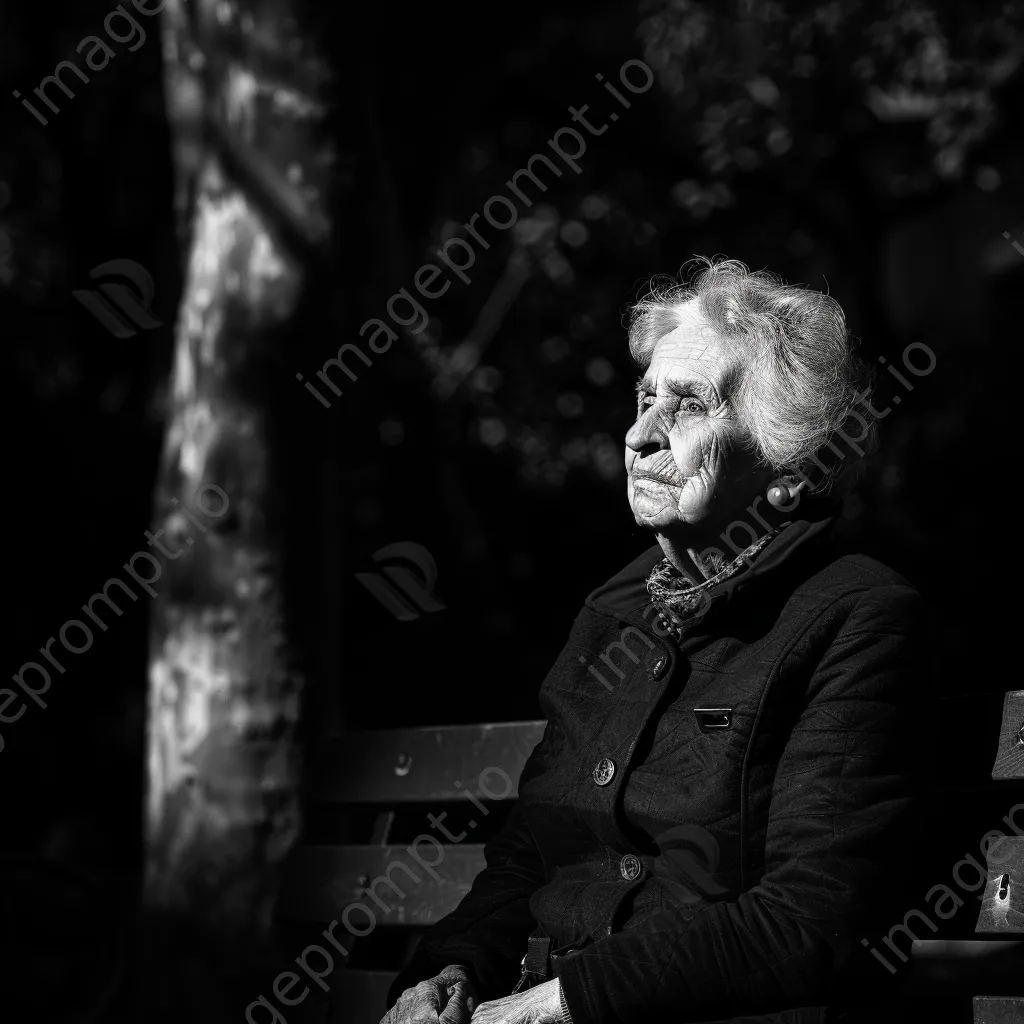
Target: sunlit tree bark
{"x": 223, "y": 752}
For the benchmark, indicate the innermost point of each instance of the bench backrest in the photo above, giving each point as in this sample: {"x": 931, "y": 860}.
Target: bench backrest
{"x": 391, "y": 767}
{"x": 402, "y": 885}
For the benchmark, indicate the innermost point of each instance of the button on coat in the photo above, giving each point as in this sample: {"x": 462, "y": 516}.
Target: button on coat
{"x": 604, "y": 771}
{"x": 629, "y": 867}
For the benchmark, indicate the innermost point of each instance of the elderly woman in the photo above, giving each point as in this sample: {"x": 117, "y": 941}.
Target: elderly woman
{"x": 703, "y": 832}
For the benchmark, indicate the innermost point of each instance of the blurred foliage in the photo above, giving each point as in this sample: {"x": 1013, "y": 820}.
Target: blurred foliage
{"x": 866, "y": 148}
{"x": 804, "y": 132}
{"x": 752, "y": 80}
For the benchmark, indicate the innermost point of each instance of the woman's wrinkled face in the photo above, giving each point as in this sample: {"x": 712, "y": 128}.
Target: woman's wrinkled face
{"x": 685, "y": 459}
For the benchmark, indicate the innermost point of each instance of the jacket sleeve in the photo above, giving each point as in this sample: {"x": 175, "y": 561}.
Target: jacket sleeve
{"x": 840, "y": 799}
{"x": 487, "y": 931}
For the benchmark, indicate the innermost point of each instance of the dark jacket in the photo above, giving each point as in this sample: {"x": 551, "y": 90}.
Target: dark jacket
{"x": 721, "y": 863}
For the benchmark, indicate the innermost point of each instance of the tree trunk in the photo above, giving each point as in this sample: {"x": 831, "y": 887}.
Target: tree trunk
{"x": 225, "y": 678}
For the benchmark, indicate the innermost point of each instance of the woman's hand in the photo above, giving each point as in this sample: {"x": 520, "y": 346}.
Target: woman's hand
{"x": 447, "y": 999}
{"x": 538, "y": 1005}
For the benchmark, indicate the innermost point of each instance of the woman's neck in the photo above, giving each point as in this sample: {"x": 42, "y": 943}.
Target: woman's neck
{"x": 700, "y": 555}
{"x": 695, "y": 563}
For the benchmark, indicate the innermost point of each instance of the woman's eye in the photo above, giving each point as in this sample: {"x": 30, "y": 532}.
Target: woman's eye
{"x": 691, "y": 405}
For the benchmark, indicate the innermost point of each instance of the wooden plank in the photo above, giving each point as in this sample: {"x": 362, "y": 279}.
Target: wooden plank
{"x": 423, "y": 764}
{"x": 998, "y": 1009}
{"x": 964, "y": 967}
{"x": 1002, "y": 904}
{"x": 388, "y": 882}
{"x": 1010, "y": 754}
{"x": 360, "y": 997}
{"x": 962, "y": 950}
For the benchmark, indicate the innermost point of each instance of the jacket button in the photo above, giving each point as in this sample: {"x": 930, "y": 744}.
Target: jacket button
{"x": 629, "y": 866}
{"x": 658, "y": 668}
{"x": 603, "y": 771}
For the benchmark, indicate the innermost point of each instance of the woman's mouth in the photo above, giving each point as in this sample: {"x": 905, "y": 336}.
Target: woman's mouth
{"x": 651, "y": 479}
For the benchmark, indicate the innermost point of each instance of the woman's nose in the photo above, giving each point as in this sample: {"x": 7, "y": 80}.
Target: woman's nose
{"x": 646, "y": 436}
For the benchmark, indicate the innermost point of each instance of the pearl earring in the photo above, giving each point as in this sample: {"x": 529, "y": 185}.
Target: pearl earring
{"x": 777, "y": 495}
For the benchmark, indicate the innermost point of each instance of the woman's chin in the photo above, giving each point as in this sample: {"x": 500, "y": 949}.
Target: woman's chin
{"x": 651, "y": 512}
{"x": 657, "y": 512}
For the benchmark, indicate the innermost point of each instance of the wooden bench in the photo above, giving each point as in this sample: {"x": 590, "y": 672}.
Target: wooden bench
{"x": 379, "y": 776}
{"x": 421, "y": 771}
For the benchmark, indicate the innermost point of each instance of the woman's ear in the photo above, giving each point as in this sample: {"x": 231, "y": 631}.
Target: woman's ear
{"x": 784, "y": 493}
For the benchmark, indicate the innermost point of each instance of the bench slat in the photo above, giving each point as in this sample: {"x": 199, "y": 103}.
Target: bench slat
{"x": 421, "y": 765}
{"x": 1010, "y": 754}
{"x": 963, "y": 967}
{"x": 998, "y": 1009}
{"x": 961, "y": 950}
{"x": 322, "y": 881}
{"x": 1006, "y": 916}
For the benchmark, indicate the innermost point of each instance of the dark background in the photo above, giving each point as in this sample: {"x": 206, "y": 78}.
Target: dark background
{"x": 870, "y": 150}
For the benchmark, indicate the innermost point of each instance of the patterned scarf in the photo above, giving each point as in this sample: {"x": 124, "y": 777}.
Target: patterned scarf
{"x": 678, "y": 598}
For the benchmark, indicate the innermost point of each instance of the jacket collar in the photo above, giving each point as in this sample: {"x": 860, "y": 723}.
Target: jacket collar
{"x": 625, "y": 594}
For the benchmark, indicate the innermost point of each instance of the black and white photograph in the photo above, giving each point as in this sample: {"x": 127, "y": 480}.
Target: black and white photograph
{"x": 512, "y": 514}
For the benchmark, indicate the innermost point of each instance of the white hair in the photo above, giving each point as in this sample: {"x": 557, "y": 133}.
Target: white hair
{"x": 801, "y": 375}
